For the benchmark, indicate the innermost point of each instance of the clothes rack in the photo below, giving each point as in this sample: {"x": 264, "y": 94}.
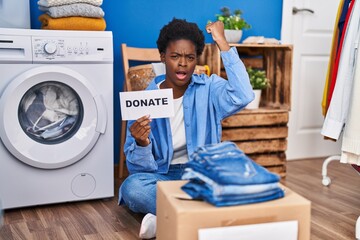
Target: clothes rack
{"x": 326, "y": 181}
{"x": 342, "y": 72}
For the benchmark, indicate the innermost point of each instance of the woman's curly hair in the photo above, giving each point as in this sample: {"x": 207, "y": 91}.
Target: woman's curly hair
{"x": 181, "y": 29}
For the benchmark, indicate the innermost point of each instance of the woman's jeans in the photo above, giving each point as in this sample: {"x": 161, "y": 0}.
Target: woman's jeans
{"x": 138, "y": 191}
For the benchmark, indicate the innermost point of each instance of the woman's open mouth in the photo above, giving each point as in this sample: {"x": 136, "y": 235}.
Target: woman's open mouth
{"x": 181, "y": 75}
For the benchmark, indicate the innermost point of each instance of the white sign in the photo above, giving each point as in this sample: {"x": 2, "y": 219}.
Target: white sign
{"x": 156, "y": 103}
{"x": 287, "y": 230}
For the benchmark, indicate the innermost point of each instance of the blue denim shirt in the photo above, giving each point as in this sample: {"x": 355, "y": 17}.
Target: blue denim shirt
{"x": 206, "y": 102}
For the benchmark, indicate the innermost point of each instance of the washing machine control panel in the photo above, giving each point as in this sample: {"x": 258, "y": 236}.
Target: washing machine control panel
{"x": 70, "y": 49}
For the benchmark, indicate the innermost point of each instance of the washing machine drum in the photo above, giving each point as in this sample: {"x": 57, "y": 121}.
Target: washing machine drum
{"x": 52, "y": 117}
{"x": 50, "y": 112}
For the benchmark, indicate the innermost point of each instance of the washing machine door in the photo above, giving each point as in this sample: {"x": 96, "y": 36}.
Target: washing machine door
{"x": 51, "y": 117}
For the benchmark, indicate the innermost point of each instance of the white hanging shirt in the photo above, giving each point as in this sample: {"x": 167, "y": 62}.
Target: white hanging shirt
{"x": 350, "y": 149}
{"x": 337, "y": 113}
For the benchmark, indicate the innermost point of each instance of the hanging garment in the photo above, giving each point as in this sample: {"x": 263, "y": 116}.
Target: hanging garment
{"x": 356, "y": 168}
{"x": 350, "y": 150}
{"x": 346, "y": 13}
{"x": 339, "y": 105}
{"x": 334, "y": 47}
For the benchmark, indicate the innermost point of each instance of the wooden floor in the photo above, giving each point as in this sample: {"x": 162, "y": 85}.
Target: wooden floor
{"x": 334, "y": 210}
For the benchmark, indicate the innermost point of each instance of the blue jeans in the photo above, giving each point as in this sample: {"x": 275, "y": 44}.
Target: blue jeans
{"x": 223, "y": 175}
{"x": 138, "y": 191}
{"x": 226, "y": 164}
{"x": 222, "y": 190}
{"x": 197, "y": 190}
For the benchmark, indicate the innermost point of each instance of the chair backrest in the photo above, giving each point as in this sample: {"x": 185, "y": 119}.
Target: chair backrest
{"x": 146, "y": 55}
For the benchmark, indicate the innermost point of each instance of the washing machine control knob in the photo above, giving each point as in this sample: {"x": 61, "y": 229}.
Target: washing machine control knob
{"x": 50, "y": 48}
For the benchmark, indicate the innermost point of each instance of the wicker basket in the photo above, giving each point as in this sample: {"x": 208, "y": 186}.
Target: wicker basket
{"x": 140, "y": 76}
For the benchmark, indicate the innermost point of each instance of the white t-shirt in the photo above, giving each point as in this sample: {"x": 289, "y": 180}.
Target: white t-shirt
{"x": 178, "y": 132}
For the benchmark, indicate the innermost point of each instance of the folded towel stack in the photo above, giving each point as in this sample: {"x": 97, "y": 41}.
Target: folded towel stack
{"x": 223, "y": 175}
{"x": 72, "y": 15}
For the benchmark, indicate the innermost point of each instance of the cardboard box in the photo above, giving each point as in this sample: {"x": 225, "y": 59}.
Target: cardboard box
{"x": 180, "y": 219}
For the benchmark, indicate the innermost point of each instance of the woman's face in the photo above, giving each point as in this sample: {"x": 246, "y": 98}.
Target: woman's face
{"x": 180, "y": 60}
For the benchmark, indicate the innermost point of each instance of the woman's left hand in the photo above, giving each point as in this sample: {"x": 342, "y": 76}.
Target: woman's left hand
{"x": 216, "y": 29}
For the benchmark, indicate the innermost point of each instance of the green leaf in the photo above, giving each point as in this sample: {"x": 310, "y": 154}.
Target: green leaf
{"x": 258, "y": 78}
{"x": 232, "y": 21}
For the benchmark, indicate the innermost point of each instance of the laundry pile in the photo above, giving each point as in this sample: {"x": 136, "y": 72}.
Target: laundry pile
{"x": 223, "y": 175}
{"x": 49, "y": 112}
{"x": 72, "y": 15}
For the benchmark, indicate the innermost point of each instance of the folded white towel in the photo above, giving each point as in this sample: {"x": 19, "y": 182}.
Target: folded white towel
{"x": 53, "y": 3}
{"x": 261, "y": 40}
{"x": 71, "y": 10}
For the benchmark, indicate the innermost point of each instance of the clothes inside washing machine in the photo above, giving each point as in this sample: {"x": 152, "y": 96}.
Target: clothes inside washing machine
{"x": 50, "y": 112}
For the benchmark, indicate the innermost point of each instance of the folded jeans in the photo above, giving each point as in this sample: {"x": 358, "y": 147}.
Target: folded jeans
{"x": 198, "y": 191}
{"x": 221, "y": 190}
{"x": 236, "y": 170}
{"x": 226, "y": 164}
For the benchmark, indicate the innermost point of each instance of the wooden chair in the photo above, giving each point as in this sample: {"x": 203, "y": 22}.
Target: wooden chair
{"x": 137, "y": 77}
{"x": 145, "y": 55}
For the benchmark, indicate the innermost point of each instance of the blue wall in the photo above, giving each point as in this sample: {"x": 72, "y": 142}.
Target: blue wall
{"x": 137, "y": 23}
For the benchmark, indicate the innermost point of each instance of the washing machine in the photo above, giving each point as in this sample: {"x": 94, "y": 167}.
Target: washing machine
{"x": 56, "y": 116}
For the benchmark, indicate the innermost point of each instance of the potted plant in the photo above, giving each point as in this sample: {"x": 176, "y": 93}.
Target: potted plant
{"x": 258, "y": 81}
{"x": 233, "y": 24}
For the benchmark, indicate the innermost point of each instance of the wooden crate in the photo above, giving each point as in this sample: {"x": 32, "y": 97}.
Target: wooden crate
{"x": 261, "y": 133}
{"x": 275, "y": 59}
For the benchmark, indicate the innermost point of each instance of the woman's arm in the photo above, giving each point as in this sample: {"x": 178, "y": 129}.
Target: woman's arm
{"x": 232, "y": 95}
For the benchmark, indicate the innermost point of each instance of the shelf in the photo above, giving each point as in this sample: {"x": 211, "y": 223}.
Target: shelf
{"x": 285, "y": 46}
